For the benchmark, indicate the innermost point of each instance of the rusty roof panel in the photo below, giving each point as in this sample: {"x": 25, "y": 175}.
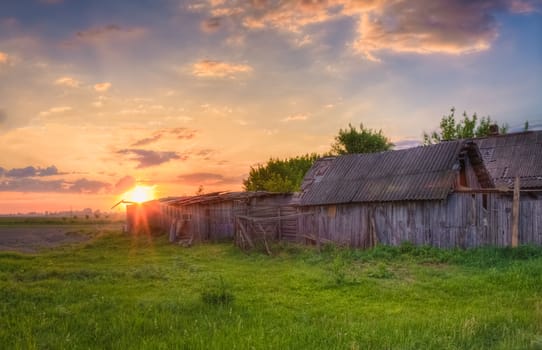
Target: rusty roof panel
{"x": 511, "y": 155}
{"x": 419, "y": 173}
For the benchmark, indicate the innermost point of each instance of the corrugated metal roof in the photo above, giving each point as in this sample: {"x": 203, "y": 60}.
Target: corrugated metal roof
{"x": 420, "y": 173}
{"x": 511, "y": 155}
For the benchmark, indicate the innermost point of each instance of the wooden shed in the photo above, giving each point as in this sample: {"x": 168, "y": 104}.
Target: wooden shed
{"x": 214, "y": 216}
{"x": 466, "y": 193}
{"x": 442, "y": 195}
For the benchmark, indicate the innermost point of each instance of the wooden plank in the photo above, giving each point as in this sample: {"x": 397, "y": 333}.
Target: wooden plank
{"x": 272, "y": 218}
{"x": 264, "y": 239}
{"x": 245, "y": 235}
{"x": 515, "y": 214}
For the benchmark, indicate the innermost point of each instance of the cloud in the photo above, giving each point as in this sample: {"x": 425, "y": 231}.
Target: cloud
{"x": 219, "y": 69}
{"x": 296, "y": 117}
{"x": 67, "y": 81}
{"x": 88, "y": 186}
{"x": 178, "y": 133}
{"x": 203, "y": 178}
{"x": 83, "y": 185}
{"x": 124, "y": 184}
{"x": 32, "y": 185}
{"x": 147, "y": 158}
{"x": 205, "y": 153}
{"x": 107, "y": 34}
{"x": 417, "y": 26}
{"x": 147, "y": 140}
{"x": 3, "y": 58}
{"x": 23, "y": 180}
{"x": 55, "y": 110}
{"x": 102, "y": 87}
{"x": 183, "y": 133}
{"x": 30, "y": 171}
{"x": 49, "y": 171}
{"x": 210, "y": 25}
{"x": 425, "y": 27}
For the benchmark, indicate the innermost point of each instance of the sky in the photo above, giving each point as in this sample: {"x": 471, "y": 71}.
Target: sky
{"x": 98, "y": 96}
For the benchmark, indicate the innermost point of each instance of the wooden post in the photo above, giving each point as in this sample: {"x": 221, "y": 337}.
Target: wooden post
{"x": 515, "y": 214}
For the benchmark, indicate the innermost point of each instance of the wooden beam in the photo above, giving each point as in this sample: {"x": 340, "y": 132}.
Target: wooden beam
{"x": 515, "y": 214}
{"x": 265, "y": 240}
{"x": 273, "y": 218}
{"x": 246, "y": 235}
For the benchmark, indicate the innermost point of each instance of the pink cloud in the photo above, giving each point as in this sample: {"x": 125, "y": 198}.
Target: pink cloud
{"x": 107, "y": 34}
{"x": 219, "y": 69}
{"x": 67, "y": 81}
{"x": 102, "y": 87}
{"x": 417, "y": 26}
{"x": 148, "y": 158}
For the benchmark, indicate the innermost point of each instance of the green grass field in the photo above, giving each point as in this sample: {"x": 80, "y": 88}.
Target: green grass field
{"x": 122, "y": 292}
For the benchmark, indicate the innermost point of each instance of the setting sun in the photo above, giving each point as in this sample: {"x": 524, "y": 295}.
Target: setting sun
{"x": 140, "y": 194}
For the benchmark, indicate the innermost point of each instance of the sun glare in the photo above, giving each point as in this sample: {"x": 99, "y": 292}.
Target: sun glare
{"x": 140, "y": 194}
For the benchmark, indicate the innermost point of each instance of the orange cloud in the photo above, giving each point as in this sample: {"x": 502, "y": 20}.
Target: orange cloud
{"x": 67, "y": 81}
{"x": 417, "y": 26}
{"x": 296, "y": 117}
{"x": 3, "y": 58}
{"x": 147, "y": 158}
{"x": 102, "y": 87}
{"x": 425, "y": 27}
{"x": 219, "y": 69}
{"x": 55, "y": 110}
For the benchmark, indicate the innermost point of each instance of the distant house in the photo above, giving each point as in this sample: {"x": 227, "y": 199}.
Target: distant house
{"x": 445, "y": 195}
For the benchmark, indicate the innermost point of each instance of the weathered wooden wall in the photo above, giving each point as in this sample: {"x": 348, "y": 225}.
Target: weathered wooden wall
{"x": 462, "y": 220}
{"x": 217, "y": 221}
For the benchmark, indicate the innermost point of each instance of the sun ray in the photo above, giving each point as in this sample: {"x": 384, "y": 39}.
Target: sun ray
{"x": 140, "y": 194}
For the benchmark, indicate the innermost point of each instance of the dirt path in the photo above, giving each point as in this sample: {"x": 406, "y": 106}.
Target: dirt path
{"x": 31, "y": 238}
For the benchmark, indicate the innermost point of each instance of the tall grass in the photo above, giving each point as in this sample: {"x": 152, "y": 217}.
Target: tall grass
{"x": 121, "y": 292}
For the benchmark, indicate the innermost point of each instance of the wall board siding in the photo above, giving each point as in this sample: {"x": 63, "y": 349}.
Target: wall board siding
{"x": 462, "y": 220}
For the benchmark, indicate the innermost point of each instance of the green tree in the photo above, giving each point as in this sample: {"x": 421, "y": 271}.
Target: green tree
{"x": 286, "y": 175}
{"x": 279, "y": 175}
{"x": 464, "y": 129}
{"x": 352, "y": 140}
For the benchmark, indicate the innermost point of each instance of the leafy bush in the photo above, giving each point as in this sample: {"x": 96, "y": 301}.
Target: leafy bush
{"x": 279, "y": 175}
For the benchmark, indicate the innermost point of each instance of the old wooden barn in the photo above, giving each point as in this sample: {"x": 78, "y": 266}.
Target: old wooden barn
{"x": 466, "y": 193}
{"x": 453, "y": 194}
